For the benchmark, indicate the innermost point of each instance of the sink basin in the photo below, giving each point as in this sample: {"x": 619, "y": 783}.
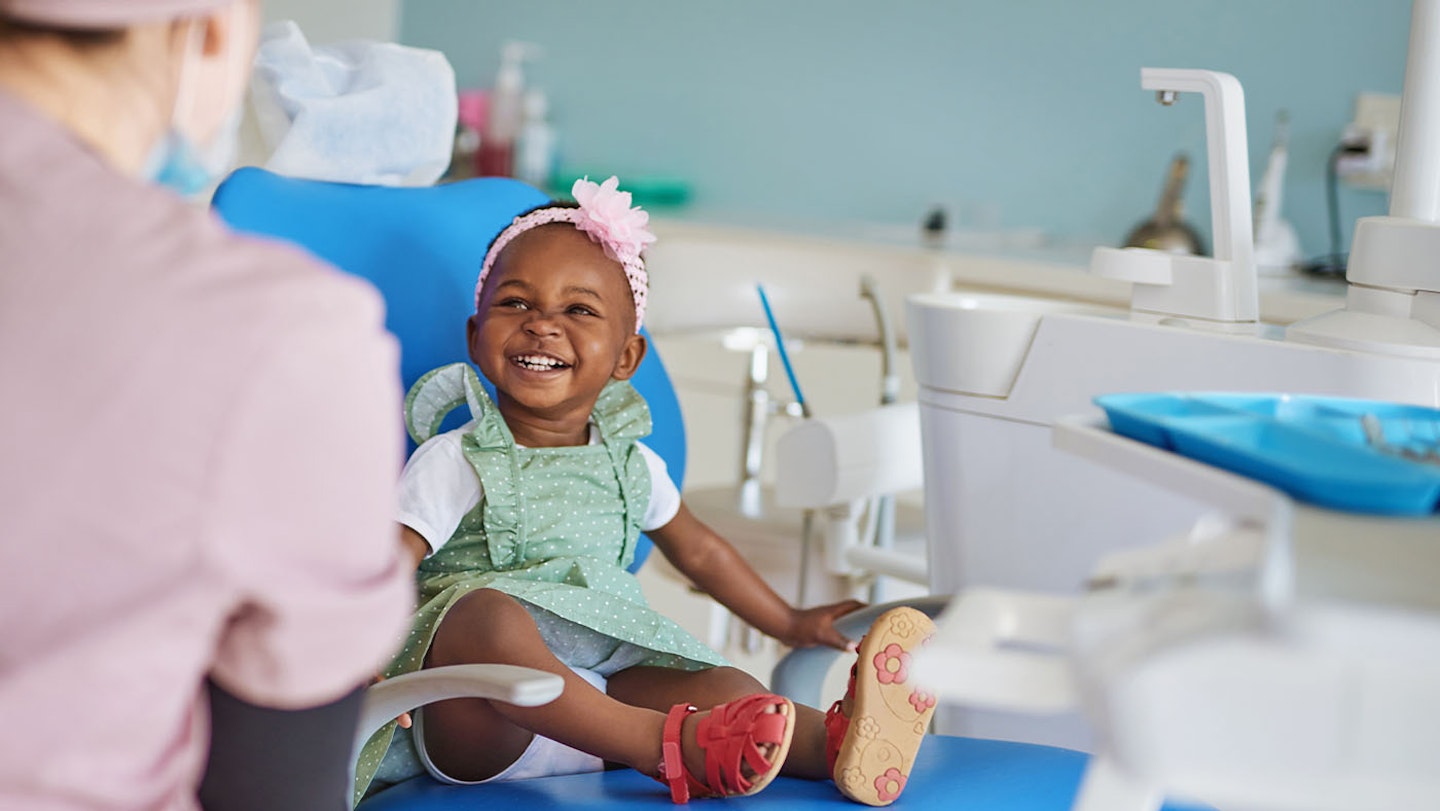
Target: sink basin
{"x": 993, "y": 332}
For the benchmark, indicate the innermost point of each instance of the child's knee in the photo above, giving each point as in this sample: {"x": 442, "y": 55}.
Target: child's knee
{"x": 734, "y": 680}
{"x": 478, "y": 626}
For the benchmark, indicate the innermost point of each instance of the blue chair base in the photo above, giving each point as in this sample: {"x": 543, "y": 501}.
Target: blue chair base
{"x": 951, "y": 773}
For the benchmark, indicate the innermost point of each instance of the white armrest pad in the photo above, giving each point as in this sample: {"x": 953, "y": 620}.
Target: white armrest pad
{"x": 834, "y": 460}
{"x": 1005, "y": 650}
{"x": 522, "y": 686}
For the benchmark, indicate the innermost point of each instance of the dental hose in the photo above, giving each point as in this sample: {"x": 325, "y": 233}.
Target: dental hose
{"x": 780, "y": 348}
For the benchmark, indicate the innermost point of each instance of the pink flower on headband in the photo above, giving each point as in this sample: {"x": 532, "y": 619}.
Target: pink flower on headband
{"x": 609, "y": 219}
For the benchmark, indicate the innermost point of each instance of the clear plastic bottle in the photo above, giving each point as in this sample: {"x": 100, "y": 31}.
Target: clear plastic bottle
{"x": 497, "y": 145}
{"x": 535, "y": 148}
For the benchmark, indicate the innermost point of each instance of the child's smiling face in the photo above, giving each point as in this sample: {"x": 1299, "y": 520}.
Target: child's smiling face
{"x": 556, "y": 322}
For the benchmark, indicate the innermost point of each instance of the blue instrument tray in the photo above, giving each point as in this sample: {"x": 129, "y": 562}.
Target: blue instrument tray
{"x": 1314, "y": 448}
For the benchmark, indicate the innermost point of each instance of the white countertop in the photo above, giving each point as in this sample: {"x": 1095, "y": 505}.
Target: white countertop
{"x": 703, "y": 277}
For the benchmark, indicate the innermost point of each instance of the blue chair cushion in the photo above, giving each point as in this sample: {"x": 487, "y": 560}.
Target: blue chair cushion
{"x": 422, "y": 249}
{"x": 950, "y": 773}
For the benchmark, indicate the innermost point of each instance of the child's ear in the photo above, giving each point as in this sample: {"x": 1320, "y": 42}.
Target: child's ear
{"x": 472, "y": 335}
{"x": 630, "y": 357}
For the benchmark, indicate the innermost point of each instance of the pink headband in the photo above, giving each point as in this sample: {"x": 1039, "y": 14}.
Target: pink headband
{"x": 103, "y": 13}
{"x": 604, "y": 215}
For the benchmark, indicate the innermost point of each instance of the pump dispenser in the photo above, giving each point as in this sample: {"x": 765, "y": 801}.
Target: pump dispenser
{"x": 497, "y": 146}
{"x": 535, "y": 149}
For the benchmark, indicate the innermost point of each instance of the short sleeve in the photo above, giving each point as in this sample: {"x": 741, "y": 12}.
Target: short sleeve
{"x": 300, "y": 520}
{"x": 437, "y": 489}
{"x": 664, "y": 495}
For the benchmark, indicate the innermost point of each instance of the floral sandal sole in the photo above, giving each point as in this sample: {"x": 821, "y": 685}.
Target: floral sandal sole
{"x": 872, "y": 751}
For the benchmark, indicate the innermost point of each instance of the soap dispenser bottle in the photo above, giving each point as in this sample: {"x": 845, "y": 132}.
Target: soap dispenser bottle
{"x": 497, "y": 145}
{"x": 535, "y": 149}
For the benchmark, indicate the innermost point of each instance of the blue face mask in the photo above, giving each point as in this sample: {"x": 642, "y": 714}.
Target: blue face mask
{"x": 176, "y": 164}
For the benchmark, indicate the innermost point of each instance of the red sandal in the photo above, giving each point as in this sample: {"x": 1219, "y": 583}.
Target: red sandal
{"x": 870, "y": 753}
{"x": 731, "y": 736}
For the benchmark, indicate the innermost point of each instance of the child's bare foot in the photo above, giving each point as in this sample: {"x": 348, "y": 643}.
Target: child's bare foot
{"x": 736, "y": 748}
{"x": 875, "y": 731}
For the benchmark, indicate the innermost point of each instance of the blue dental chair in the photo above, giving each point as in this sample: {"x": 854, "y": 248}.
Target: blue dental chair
{"x": 422, "y": 248}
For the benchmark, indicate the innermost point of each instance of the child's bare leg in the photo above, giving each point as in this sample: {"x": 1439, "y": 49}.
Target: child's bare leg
{"x": 660, "y": 688}
{"x": 472, "y": 739}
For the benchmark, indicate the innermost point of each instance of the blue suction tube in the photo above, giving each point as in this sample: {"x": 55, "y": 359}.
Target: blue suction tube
{"x": 780, "y": 347}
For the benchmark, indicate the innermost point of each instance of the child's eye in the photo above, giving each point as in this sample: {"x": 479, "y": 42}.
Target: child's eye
{"x": 581, "y": 309}
{"x": 512, "y": 303}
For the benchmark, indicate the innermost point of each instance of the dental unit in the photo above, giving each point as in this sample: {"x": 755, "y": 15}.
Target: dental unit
{"x": 1006, "y": 509}
{"x": 1278, "y": 655}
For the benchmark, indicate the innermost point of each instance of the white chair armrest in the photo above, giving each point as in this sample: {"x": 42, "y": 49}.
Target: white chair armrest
{"x": 1003, "y": 650}
{"x": 834, "y": 460}
{"x": 522, "y": 686}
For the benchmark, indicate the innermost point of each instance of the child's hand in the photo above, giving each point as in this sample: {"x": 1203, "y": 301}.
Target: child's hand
{"x": 816, "y": 626}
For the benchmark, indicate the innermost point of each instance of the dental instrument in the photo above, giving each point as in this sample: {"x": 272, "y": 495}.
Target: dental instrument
{"x": 1277, "y": 248}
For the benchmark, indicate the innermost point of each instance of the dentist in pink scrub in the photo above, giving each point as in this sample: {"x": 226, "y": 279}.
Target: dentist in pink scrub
{"x": 198, "y": 442}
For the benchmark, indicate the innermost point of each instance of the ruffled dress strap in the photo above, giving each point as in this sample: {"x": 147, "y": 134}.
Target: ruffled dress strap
{"x": 437, "y": 393}
{"x": 490, "y": 447}
{"x": 622, "y": 417}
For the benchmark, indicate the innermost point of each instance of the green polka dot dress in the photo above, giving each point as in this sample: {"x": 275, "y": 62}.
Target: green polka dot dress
{"x": 556, "y": 529}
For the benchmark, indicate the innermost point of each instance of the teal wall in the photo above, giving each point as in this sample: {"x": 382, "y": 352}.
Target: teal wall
{"x": 1026, "y": 111}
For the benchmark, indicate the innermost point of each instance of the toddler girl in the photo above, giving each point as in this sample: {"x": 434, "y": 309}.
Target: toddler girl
{"x": 524, "y": 521}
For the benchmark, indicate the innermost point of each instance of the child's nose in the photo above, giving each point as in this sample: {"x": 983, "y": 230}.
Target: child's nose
{"x": 541, "y": 323}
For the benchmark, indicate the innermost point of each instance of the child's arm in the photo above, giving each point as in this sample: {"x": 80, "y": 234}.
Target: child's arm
{"x": 437, "y": 488}
{"x": 415, "y": 545}
{"x": 712, "y": 564}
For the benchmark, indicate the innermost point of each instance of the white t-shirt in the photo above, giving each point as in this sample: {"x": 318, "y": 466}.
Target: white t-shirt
{"x": 439, "y": 487}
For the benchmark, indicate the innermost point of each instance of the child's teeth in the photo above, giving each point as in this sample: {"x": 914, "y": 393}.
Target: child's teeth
{"x": 538, "y": 362}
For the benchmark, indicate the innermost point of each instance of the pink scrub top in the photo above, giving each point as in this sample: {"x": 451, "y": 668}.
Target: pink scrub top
{"x": 198, "y": 450}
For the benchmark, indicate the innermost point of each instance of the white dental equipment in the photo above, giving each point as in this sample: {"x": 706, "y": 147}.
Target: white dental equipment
{"x": 1220, "y": 288}
{"x": 845, "y": 467}
{"x": 1277, "y": 656}
{"x": 1393, "y": 302}
{"x": 1003, "y": 509}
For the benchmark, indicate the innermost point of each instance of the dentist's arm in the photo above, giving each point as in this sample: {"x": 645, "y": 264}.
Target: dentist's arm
{"x": 713, "y": 565}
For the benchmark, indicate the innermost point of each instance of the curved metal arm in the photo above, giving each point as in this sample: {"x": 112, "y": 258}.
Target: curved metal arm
{"x": 522, "y": 686}
{"x": 889, "y": 378}
{"x": 1003, "y": 650}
